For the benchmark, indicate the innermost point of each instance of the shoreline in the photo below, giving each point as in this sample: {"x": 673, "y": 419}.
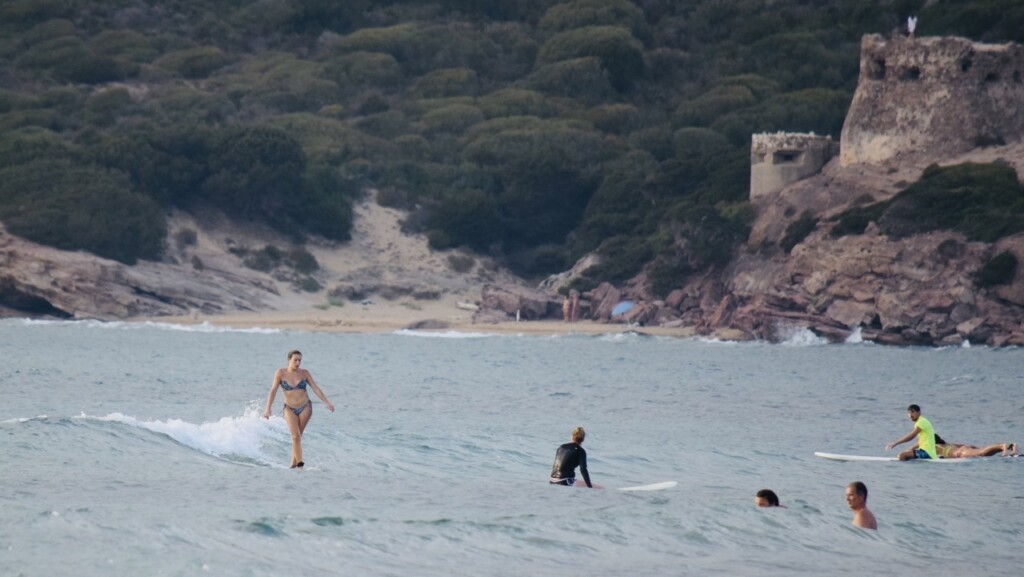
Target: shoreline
{"x": 391, "y": 316}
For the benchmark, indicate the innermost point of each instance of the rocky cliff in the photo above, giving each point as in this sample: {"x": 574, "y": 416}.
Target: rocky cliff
{"x": 918, "y": 102}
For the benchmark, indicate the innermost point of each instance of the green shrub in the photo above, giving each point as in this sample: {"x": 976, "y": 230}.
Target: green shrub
{"x": 622, "y": 257}
{"x": 798, "y": 230}
{"x": 360, "y": 70}
{"x": 186, "y": 104}
{"x": 332, "y": 142}
{"x": 801, "y": 60}
{"x": 169, "y": 164}
{"x": 50, "y": 53}
{"x": 80, "y": 207}
{"x": 277, "y": 81}
{"x": 48, "y": 119}
{"x": 1000, "y": 269}
{"x": 253, "y": 170}
{"x": 264, "y": 260}
{"x": 614, "y": 118}
{"x": 124, "y": 44}
{"x": 413, "y": 146}
{"x": 34, "y": 10}
{"x": 582, "y": 79}
{"x": 620, "y": 54}
{"x": 515, "y": 102}
{"x": 386, "y": 124}
{"x": 461, "y": 263}
{"x": 703, "y": 110}
{"x": 451, "y": 120}
{"x": 983, "y": 201}
{"x": 301, "y": 260}
{"x": 196, "y": 62}
{"x": 87, "y": 68}
{"x": 856, "y": 220}
{"x": 185, "y": 237}
{"x": 655, "y": 140}
{"x": 308, "y": 284}
{"x": 446, "y": 82}
{"x": 48, "y": 30}
{"x": 815, "y": 110}
{"x": 468, "y": 217}
{"x": 614, "y": 209}
{"x": 540, "y": 260}
{"x": 103, "y": 108}
{"x": 29, "y": 144}
{"x": 584, "y": 13}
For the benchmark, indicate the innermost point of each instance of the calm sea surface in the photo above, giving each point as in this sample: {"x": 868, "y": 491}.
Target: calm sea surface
{"x": 138, "y": 450}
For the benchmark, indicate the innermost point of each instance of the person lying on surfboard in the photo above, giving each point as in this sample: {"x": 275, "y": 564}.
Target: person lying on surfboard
{"x": 567, "y": 458}
{"x": 946, "y": 450}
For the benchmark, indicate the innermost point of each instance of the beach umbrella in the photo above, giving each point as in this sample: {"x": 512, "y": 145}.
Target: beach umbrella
{"x": 622, "y": 308}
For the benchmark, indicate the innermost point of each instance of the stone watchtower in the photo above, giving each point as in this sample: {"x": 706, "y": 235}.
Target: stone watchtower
{"x": 933, "y": 98}
{"x": 782, "y": 158}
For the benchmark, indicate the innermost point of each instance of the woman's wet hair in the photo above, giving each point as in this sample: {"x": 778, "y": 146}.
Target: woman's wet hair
{"x": 292, "y": 353}
{"x": 939, "y": 440}
{"x": 770, "y": 496}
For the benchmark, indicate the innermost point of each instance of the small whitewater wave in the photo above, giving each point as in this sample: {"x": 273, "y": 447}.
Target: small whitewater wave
{"x": 800, "y": 337}
{"x": 24, "y": 419}
{"x": 442, "y": 334}
{"x": 203, "y": 327}
{"x": 238, "y": 439}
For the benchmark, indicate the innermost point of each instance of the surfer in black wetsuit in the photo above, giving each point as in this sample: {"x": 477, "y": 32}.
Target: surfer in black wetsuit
{"x": 567, "y": 458}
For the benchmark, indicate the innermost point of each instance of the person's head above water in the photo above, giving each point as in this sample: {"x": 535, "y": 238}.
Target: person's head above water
{"x": 766, "y": 498}
{"x": 578, "y": 434}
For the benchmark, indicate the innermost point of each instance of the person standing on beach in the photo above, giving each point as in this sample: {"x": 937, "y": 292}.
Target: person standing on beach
{"x": 925, "y": 434}
{"x": 567, "y": 458}
{"x": 857, "y": 501}
{"x": 575, "y": 309}
{"x": 565, "y": 310}
{"x": 297, "y": 406}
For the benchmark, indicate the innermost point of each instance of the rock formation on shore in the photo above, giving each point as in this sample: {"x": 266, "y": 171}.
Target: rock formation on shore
{"x": 908, "y": 112}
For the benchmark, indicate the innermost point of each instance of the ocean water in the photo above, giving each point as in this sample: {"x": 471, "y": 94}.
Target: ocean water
{"x": 138, "y": 449}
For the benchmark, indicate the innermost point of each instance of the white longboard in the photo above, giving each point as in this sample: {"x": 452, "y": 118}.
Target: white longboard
{"x": 838, "y": 457}
{"x": 652, "y": 487}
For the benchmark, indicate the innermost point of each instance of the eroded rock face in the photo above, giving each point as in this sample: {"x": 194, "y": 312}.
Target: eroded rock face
{"x": 530, "y": 304}
{"x": 40, "y": 281}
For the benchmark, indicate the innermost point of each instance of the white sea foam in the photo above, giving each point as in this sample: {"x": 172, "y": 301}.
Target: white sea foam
{"x": 230, "y": 436}
{"x": 855, "y": 337}
{"x": 796, "y": 336}
{"x": 442, "y": 334}
{"x": 203, "y": 327}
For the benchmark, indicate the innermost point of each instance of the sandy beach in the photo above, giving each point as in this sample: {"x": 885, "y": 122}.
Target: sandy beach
{"x": 390, "y": 316}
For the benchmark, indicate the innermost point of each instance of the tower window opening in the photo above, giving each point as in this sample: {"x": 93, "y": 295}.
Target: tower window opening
{"x": 786, "y": 156}
{"x": 912, "y": 73}
{"x": 876, "y": 69}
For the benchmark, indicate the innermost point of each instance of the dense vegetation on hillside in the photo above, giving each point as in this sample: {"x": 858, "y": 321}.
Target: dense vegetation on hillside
{"x": 533, "y": 130}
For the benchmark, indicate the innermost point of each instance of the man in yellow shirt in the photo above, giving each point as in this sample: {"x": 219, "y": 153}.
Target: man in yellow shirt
{"x": 925, "y": 434}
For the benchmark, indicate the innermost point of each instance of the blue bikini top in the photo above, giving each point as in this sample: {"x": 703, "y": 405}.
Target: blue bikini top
{"x": 300, "y": 385}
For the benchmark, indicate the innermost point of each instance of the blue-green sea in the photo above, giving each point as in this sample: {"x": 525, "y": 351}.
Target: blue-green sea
{"x": 139, "y": 450}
